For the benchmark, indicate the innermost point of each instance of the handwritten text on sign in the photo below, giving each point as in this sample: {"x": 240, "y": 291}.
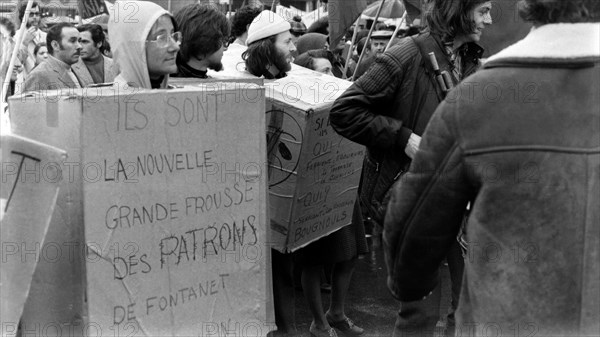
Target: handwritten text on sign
{"x": 183, "y": 203}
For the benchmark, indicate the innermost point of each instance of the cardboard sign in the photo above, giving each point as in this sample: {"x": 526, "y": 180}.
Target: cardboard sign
{"x": 30, "y": 173}
{"x": 174, "y": 197}
{"x": 313, "y": 171}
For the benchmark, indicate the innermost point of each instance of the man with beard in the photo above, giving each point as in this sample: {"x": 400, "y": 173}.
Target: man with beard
{"x": 205, "y": 33}
{"x": 56, "y": 73}
{"x": 270, "y": 46}
{"x": 93, "y": 67}
{"x": 33, "y": 36}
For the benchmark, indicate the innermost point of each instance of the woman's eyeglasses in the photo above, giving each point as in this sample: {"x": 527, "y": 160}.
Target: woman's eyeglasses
{"x": 163, "y": 40}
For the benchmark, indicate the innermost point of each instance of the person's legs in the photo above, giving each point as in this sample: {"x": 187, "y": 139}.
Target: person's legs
{"x": 340, "y": 282}
{"x": 336, "y": 315}
{"x": 283, "y": 292}
{"x": 311, "y": 286}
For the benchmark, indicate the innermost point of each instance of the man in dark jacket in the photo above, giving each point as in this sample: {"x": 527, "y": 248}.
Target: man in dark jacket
{"x": 388, "y": 108}
{"x": 521, "y": 139}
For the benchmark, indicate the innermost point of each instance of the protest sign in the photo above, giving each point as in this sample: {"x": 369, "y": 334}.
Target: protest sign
{"x": 313, "y": 171}
{"x": 174, "y": 200}
{"x": 30, "y": 172}
{"x": 91, "y": 8}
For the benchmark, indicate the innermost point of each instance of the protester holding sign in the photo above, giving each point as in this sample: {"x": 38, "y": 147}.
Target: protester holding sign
{"x": 388, "y": 108}
{"x": 145, "y": 48}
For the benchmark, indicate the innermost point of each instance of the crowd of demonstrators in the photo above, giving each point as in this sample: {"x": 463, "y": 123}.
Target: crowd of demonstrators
{"x": 93, "y": 67}
{"x": 416, "y": 189}
{"x": 552, "y": 289}
{"x": 205, "y": 32}
{"x": 388, "y": 108}
{"x": 56, "y": 72}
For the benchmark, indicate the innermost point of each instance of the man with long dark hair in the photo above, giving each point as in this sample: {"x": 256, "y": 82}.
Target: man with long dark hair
{"x": 240, "y": 23}
{"x": 530, "y": 160}
{"x": 388, "y": 108}
{"x": 205, "y": 33}
{"x": 270, "y": 46}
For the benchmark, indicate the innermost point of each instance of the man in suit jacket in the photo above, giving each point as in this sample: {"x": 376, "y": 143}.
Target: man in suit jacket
{"x": 93, "y": 67}
{"x": 55, "y": 72}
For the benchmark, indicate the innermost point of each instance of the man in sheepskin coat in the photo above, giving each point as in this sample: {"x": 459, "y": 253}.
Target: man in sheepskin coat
{"x": 520, "y": 139}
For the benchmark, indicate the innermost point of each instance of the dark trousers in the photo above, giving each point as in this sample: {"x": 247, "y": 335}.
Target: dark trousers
{"x": 283, "y": 291}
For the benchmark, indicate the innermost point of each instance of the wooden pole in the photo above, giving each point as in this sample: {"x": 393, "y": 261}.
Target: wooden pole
{"x": 396, "y": 31}
{"x": 368, "y": 39}
{"x": 15, "y": 51}
{"x": 354, "y": 35}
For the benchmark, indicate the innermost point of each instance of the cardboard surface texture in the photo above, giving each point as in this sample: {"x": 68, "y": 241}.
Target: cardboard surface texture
{"x": 30, "y": 174}
{"x": 174, "y": 191}
{"x": 313, "y": 171}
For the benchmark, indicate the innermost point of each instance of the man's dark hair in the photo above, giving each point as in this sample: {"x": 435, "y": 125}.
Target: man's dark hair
{"x": 96, "y": 32}
{"x": 542, "y": 12}
{"x": 260, "y": 55}
{"x": 23, "y": 7}
{"x": 307, "y": 59}
{"x": 242, "y": 18}
{"x": 55, "y": 34}
{"x": 320, "y": 26}
{"x": 38, "y": 47}
{"x": 10, "y": 26}
{"x": 361, "y": 45}
{"x": 203, "y": 29}
{"x": 450, "y": 18}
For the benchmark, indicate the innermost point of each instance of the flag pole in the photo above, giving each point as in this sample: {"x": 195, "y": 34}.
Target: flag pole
{"x": 396, "y": 31}
{"x": 13, "y": 59}
{"x": 352, "y": 43}
{"x": 368, "y": 39}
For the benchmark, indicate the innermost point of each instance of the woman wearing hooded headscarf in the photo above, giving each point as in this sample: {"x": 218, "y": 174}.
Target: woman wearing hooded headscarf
{"x": 145, "y": 44}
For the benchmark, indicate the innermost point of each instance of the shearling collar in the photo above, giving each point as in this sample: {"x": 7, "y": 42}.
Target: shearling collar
{"x": 554, "y": 43}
